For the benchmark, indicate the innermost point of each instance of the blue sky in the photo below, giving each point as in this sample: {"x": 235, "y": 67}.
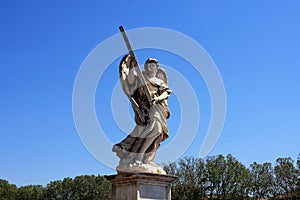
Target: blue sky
{"x": 255, "y": 45}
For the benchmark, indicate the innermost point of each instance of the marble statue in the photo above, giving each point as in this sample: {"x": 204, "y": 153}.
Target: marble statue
{"x": 148, "y": 92}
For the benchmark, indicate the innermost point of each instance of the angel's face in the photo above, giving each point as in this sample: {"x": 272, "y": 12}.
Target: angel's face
{"x": 152, "y": 68}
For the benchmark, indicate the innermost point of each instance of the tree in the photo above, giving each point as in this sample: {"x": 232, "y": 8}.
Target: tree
{"x": 236, "y": 179}
{"x": 286, "y": 176}
{"x": 227, "y": 178}
{"x": 298, "y": 170}
{"x": 243, "y": 186}
{"x": 30, "y": 192}
{"x": 87, "y": 187}
{"x": 92, "y": 187}
{"x": 189, "y": 184}
{"x": 216, "y": 177}
{"x": 215, "y": 173}
{"x": 53, "y": 190}
{"x": 7, "y": 191}
{"x": 298, "y": 162}
{"x": 60, "y": 190}
{"x": 262, "y": 180}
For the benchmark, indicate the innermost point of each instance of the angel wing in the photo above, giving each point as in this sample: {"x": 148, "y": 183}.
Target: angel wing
{"x": 161, "y": 74}
{"x": 124, "y": 68}
{"x": 129, "y": 88}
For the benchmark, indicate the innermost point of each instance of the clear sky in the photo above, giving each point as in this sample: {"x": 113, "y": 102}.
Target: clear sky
{"x": 255, "y": 45}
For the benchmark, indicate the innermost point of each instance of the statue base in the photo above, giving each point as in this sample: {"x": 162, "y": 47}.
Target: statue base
{"x": 139, "y": 167}
{"x": 141, "y": 186}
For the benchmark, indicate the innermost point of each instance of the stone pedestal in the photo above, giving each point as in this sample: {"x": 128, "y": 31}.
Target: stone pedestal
{"x": 141, "y": 186}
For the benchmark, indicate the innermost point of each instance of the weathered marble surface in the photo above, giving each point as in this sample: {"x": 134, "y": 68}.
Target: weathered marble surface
{"x": 141, "y": 186}
{"x": 148, "y": 93}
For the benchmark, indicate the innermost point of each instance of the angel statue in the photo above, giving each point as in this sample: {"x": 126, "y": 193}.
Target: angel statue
{"x": 149, "y": 103}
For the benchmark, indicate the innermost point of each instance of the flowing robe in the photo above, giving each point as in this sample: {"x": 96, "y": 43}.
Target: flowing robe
{"x": 142, "y": 143}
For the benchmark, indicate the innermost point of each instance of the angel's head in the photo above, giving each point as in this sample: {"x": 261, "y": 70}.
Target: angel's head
{"x": 151, "y": 66}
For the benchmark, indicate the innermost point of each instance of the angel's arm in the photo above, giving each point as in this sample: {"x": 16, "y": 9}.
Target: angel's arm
{"x": 164, "y": 91}
{"x": 132, "y": 74}
{"x": 163, "y": 96}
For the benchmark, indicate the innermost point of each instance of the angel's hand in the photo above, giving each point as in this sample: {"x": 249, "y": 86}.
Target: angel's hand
{"x": 132, "y": 64}
{"x": 155, "y": 100}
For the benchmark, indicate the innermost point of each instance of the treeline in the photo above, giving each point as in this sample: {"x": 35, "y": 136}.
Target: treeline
{"x": 88, "y": 187}
{"x": 215, "y": 177}
{"x": 219, "y": 177}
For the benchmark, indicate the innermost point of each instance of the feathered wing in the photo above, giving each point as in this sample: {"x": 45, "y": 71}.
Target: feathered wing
{"x": 161, "y": 74}
{"x": 130, "y": 88}
{"x": 124, "y": 68}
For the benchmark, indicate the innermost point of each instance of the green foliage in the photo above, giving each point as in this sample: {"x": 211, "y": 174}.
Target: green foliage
{"x": 7, "y": 191}
{"x": 80, "y": 188}
{"x": 190, "y": 172}
{"x": 298, "y": 189}
{"x": 298, "y": 162}
{"x": 287, "y": 176}
{"x": 219, "y": 177}
{"x": 30, "y": 192}
{"x": 262, "y": 180}
{"x": 216, "y": 177}
{"x": 91, "y": 187}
